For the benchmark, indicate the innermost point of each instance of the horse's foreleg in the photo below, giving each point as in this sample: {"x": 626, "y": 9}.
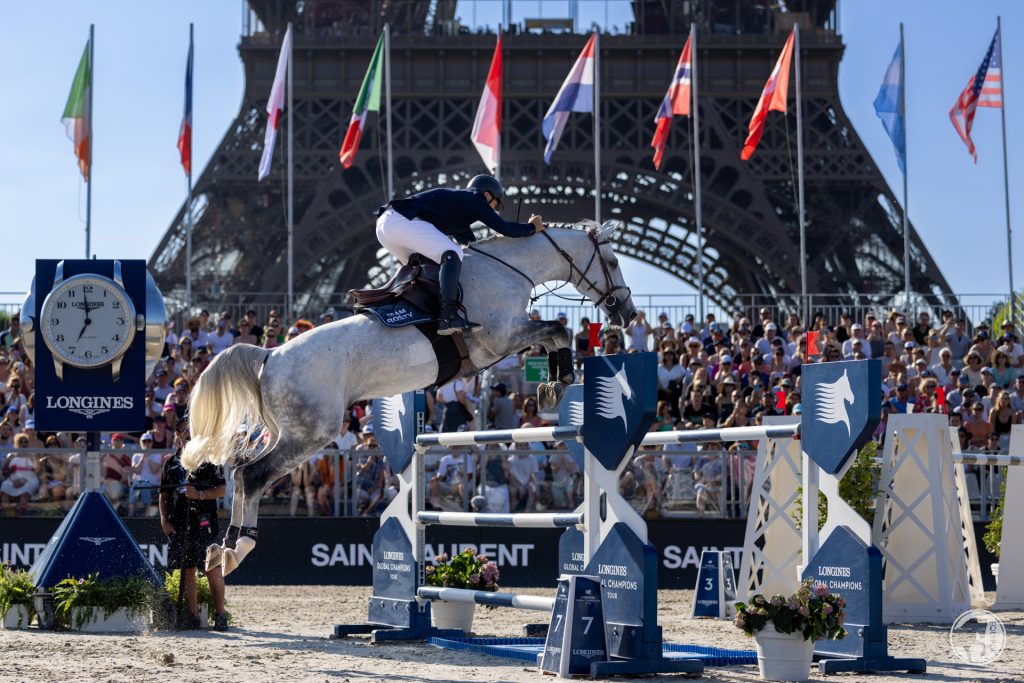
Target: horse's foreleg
{"x": 555, "y": 339}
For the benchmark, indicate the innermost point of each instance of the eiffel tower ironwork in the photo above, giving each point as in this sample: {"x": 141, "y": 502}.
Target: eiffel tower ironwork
{"x": 854, "y": 234}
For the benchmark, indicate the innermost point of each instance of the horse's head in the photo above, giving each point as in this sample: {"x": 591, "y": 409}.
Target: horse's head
{"x": 602, "y": 280}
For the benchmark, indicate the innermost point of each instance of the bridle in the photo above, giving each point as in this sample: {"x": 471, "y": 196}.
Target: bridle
{"x": 607, "y": 295}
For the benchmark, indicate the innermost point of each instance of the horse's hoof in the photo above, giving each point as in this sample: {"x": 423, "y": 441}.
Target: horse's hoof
{"x": 213, "y": 556}
{"x": 568, "y": 378}
{"x": 549, "y": 394}
{"x": 232, "y": 557}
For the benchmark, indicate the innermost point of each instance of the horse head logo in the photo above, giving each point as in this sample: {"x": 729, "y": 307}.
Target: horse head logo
{"x": 612, "y": 394}
{"x": 832, "y": 399}
{"x": 392, "y": 410}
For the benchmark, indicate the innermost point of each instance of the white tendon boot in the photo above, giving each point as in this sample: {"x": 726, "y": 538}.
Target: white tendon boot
{"x": 232, "y": 557}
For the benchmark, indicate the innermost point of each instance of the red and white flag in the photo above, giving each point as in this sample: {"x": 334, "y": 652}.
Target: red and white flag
{"x": 985, "y": 89}
{"x": 486, "y": 135}
{"x": 275, "y": 104}
{"x": 676, "y": 103}
{"x": 773, "y": 98}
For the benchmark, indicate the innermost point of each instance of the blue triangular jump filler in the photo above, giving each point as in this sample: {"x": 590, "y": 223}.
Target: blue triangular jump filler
{"x": 92, "y": 538}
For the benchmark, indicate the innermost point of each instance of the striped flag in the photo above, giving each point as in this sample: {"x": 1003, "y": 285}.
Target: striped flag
{"x": 676, "y": 103}
{"x": 486, "y": 135}
{"x": 185, "y": 134}
{"x": 985, "y": 89}
{"x": 889, "y": 107}
{"x": 773, "y": 98}
{"x": 77, "y": 113}
{"x": 275, "y": 104}
{"x": 576, "y": 94}
{"x": 367, "y": 100}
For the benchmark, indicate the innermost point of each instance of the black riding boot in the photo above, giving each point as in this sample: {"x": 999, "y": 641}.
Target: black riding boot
{"x": 450, "y": 321}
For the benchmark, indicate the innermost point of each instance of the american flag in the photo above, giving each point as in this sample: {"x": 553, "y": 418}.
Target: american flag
{"x": 985, "y": 89}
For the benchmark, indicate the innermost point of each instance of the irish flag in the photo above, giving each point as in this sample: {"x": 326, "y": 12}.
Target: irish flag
{"x": 368, "y": 100}
{"x": 486, "y": 134}
{"x": 78, "y": 114}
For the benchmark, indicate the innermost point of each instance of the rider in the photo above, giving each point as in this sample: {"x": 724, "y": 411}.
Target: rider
{"x": 426, "y": 223}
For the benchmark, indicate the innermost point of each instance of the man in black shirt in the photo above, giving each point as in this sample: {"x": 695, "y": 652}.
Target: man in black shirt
{"x": 188, "y": 515}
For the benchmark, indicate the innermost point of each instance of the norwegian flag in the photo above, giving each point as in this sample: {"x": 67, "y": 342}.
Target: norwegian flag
{"x": 985, "y": 89}
{"x": 676, "y": 103}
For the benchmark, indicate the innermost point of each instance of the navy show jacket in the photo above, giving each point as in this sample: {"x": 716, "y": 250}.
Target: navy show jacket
{"x": 454, "y": 211}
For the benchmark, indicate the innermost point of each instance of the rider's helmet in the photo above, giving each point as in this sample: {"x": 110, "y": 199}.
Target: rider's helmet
{"x": 488, "y": 183}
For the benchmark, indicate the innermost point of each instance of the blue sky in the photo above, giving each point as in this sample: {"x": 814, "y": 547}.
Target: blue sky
{"x": 140, "y": 56}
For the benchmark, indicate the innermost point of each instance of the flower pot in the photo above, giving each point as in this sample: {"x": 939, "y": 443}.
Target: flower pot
{"x": 783, "y": 656}
{"x": 16, "y": 617}
{"x": 995, "y": 572}
{"x": 119, "y": 620}
{"x": 452, "y": 615}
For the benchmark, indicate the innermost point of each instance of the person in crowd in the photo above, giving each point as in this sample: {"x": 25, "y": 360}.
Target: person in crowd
{"x": 972, "y": 368}
{"x": 582, "y": 343}
{"x": 221, "y": 338}
{"x": 34, "y": 441}
{"x": 1002, "y": 373}
{"x": 188, "y": 516}
{"x": 978, "y": 429}
{"x": 303, "y": 485}
{"x": 612, "y": 344}
{"x": 427, "y": 223}
{"x": 1017, "y": 394}
{"x": 524, "y": 477}
{"x": 274, "y": 335}
{"x": 696, "y": 408}
{"x": 370, "y": 476}
{"x": 163, "y": 387}
{"x": 671, "y": 376}
{"x": 496, "y": 478}
{"x": 245, "y": 333}
{"x": 54, "y": 473}
{"x": 147, "y": 468}
{"x": 454, "y": 476}
{"x": 1002, "y": 418}
{"x": 639, "y": 330}
{"x": 324, "y": 475}
{"x": 943, "y": 369}
{"x": 501, "y": 413}
{"x": 117, "y": 469}
{"x": 456, "y": 406}
{"x": 10, "y": 336}
{"x": 254, "y": 326}
{"x": 22, "y": 480}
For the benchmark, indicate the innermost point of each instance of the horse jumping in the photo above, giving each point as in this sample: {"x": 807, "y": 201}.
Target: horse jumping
{"x": 299, "y": 392}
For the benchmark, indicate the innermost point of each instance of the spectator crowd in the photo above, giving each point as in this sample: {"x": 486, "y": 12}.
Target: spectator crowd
{"x": 710, "y": 374}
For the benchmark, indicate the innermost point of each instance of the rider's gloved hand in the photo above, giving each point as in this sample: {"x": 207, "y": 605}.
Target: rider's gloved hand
{"x": 538, "y": 223}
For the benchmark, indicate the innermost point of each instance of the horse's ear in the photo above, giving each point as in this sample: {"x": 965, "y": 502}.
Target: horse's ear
{"x": 608, "y": 228}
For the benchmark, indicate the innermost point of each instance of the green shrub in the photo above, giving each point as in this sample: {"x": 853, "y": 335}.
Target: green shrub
{"x": 465, "y": 570}
{"x": 858, "y": 487}
{"x": 994, "y": 528}
{"x": 135, "y": 594}
{"x": 16, "y": 589}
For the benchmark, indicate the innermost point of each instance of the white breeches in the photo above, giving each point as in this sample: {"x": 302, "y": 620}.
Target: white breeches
{"x": 403, "y": 237}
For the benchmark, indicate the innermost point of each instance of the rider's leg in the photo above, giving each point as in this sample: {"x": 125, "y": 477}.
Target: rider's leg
{"x": 450, "y": 320}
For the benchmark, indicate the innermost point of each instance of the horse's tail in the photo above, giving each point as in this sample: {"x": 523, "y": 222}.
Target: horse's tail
{"x": 227, "y": 395}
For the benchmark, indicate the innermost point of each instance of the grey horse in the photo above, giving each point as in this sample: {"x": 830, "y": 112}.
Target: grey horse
{"x": 299, "y": 393}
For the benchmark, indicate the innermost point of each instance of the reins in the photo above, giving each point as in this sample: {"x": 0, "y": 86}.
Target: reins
{"x": 607, "y": 295}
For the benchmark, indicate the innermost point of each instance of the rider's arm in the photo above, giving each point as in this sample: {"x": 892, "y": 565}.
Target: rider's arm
{"x": 489, "y": 217}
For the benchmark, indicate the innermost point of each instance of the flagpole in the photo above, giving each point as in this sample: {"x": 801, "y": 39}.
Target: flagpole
{"x": 906, "y": 208}
{"x": 291, "y": 188}
{"x": 387, "y": 102}
{"x": 1006, "y": 176}
{"x": 188, "y": 200}
{"x": 800, "y": 177}
{"x": 88, "y": 181}
{"x": 597, "y": 125}
{"x": 697, "y": 210}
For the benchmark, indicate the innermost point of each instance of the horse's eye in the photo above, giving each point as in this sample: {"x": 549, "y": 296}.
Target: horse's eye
{"x": 614, "y": 263}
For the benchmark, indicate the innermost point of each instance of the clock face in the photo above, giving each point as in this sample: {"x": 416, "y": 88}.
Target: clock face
{"x": 88, "y": 321}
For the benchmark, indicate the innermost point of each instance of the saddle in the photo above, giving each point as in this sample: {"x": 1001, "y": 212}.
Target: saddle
{"x": 413, "y": 297}
{"x": 416, "y": 282}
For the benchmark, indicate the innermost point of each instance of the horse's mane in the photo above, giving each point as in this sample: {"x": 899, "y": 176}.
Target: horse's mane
{"x": 584, "y": 225}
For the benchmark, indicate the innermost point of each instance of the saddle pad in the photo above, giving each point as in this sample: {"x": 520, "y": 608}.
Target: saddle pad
{"x": 399, "y": 314}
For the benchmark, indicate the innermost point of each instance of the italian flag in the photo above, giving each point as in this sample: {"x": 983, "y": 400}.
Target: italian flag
{"x": 77, "y": 113}
{"x": 368, "y": 100}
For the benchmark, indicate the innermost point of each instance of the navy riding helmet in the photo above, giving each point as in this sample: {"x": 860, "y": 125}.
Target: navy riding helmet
{"x": 488, "y": 183}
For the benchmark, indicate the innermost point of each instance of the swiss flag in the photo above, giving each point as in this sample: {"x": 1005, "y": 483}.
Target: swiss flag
{"x": 773, "y": 98}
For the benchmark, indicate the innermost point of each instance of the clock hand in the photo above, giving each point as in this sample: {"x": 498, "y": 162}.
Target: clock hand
{"x": 84, "y": 328}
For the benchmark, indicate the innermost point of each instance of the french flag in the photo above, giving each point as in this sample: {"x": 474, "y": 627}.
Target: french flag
{"x": 486, "y": 135}
{"x": 275, "y": 104}
{"x": 185, "y": 134}
{"x": 576, "y": 94}
{"x": 676, "y": 103}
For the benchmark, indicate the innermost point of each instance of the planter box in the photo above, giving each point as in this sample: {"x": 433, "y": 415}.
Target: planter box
{"x": 16, "y": 618}
{"x": 452, "y": 615}
{"x": 118, "y": 622}
{"x": 783, "y": 656}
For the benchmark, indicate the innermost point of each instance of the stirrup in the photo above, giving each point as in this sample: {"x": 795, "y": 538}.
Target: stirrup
{"x": 454, "y": 324}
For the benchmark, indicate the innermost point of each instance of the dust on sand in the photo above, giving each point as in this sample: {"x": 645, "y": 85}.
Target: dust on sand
{"x": 280, "y": 634}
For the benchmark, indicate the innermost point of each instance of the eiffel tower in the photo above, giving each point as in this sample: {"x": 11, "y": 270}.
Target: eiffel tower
{"x": 854, "y": 230}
